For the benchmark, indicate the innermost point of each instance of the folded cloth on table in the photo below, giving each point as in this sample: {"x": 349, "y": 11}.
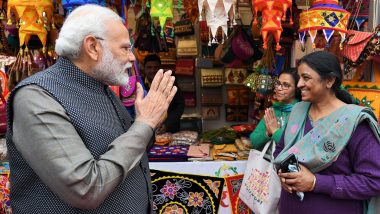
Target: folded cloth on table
{"x": 200, "y": 159}
{"x": 168, "y": 152}
{"x": 184, "y": 138}
{"x": 199, "y": 151}
{"x": 225, "y": 148}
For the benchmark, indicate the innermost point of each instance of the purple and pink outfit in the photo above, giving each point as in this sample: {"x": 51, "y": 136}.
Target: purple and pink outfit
{"x": 347, "y": 173}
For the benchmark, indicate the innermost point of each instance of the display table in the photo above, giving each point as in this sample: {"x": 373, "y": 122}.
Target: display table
{"x": 211, "y": 168}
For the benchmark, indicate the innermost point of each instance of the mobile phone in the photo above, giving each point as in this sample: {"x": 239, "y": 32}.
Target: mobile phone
{"x": 289, "y": 164}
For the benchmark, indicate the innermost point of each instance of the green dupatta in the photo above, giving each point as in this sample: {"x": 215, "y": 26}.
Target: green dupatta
{"x": 320, "y": 147}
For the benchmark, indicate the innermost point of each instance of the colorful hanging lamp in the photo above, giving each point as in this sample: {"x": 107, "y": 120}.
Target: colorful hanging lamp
{"x": 161, "y": 9}
{"x": 33, "y": 18}
{"x": 325, "y": 15}
{"x": 31, "y": 25}
{"x": 218, "y": 13}
{"x": 272, "y": 12}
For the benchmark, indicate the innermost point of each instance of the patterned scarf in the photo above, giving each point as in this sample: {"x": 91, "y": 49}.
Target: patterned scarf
{"x": 320, "y": 147}
{"x": 283, "y": 107}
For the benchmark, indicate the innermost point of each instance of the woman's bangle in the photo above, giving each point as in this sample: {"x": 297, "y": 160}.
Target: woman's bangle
{"x": 313, "y": 185}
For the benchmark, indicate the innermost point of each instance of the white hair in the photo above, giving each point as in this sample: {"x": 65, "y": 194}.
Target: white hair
{"x": 89, "y": 19}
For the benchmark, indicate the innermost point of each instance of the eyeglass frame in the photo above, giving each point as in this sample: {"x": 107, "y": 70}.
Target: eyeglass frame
{"x": 129, "y": 49}
{"x": 284, "y": 86}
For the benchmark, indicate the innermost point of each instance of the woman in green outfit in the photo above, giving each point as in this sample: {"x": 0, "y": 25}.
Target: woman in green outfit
{"x": 273, "y": 123}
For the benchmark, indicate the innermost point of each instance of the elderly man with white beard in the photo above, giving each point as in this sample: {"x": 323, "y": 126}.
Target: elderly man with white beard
{"x": 72, "y": 147}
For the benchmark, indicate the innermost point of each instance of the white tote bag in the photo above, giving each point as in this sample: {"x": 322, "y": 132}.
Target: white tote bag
{"x": 261, "y": 187}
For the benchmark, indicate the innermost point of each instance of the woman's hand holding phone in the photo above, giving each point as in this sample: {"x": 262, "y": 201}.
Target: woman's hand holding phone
{"x": 301, "y": 181}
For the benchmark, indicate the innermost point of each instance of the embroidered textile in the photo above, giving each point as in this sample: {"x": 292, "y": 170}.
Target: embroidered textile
{"x": 185, "y": 193}
{"x": 233, "y": 184}
{"x": 171, "y": 152}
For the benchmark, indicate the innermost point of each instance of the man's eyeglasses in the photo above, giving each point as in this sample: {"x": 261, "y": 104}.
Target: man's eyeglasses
{"x": 129, "y": 48}
{"x": 284, "y": 85}
{"x": 98, "y": 38}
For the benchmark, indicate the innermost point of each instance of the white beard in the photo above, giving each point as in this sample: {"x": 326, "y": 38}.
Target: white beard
{"x": 110, "y": 70}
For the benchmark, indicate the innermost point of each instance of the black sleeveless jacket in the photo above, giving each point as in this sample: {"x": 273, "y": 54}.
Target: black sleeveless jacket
{"x": 99, "y": 118}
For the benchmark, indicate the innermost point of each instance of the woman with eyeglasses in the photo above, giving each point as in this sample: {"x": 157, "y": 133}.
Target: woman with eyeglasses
{"x": 272, "y": 124}
{"x": 336, "y": 142}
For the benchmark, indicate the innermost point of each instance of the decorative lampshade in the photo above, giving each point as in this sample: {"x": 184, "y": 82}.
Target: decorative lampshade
{"x": 217, "y": 13}
{"x": 325, "y": 15}
{"x": 34, "y": 16}
{"x": 30, "y": 25}
{"x": 161, "y": 9}
{"x": 273, "y": 12}
{"x": 251, "y": 81}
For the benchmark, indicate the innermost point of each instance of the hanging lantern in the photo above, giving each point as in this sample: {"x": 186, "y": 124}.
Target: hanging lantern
{"x": 325, "y": 15}
{"x": 251, "y": 81}
{"x": 217, "y": 13}
{"x": 33, "y": 18}
{"x": 161, "y": 9}
{"x": 272, "y": 12}
{"x": 30, "y": 24}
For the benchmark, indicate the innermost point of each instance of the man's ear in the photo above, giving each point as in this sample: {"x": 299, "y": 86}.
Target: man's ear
{"x": 91, "y": 47}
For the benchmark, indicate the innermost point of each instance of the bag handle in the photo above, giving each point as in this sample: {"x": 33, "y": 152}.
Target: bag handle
{"x": 266, "y": 147}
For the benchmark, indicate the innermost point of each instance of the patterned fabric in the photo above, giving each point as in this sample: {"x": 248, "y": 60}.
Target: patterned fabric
{"x": 371, "y": 49}
{"x": 171, "y": 152}
{"x": 99, "y": 118}
{"x": 366, "y": 93}
{"x": 184, "y": 193}
{"x": 233, "y": 184}
{"x": 4, "y": 194}
{"x": 356, "y": 44}
{"x": 327, "y": 139}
